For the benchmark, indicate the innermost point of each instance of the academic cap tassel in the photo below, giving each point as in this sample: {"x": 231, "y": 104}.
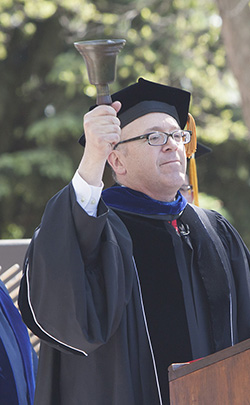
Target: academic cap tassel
{"x": 190, "y": 151}
{"x": 193, "y": 179}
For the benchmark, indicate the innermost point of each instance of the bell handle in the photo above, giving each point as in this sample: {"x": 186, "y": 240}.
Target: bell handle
{"x": 103, "y": 94}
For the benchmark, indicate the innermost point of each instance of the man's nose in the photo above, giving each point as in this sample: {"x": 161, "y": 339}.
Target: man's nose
{"x": 171, "y": 144}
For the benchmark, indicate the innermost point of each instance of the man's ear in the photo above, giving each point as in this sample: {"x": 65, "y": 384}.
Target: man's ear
{"x": 116, "y": 161}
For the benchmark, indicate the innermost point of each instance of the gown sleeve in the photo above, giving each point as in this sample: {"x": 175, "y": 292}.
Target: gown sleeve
{"x": 239, "y": 257}
{"x": 78, "y": 275}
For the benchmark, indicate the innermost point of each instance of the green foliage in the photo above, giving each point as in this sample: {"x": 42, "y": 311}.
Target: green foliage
{"x": 45, "y": 91}
{"x": 213, "y": 203}
{"x": 225, "y": 173}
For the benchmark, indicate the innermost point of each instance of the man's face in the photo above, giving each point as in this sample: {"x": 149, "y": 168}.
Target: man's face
{"x": 158, "y": 171}
{"x": 187, "y": 191}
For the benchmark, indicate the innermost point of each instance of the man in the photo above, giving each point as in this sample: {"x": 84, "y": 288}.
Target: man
{"x": 187, "y": 189}
{"x": 118, "y": 294}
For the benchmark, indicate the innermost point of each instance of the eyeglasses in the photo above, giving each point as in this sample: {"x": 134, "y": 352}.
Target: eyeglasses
{"x": 186, "y": 187}
{"x": 158, "y": 138}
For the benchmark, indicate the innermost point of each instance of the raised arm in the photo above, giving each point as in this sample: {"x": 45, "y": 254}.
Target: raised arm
{"x": 79, "y": 270}
{"x": 102, "y": 132}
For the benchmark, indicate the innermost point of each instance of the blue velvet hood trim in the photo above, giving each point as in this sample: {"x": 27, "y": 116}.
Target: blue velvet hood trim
{"x": 22, "y": 338}
{"x": 126, "y": 199}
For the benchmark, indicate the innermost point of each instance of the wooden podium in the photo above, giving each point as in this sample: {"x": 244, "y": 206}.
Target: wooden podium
{"x": 223, "y": 378}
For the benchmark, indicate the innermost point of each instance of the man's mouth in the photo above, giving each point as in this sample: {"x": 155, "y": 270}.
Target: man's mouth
{"x": 170, "y": 162}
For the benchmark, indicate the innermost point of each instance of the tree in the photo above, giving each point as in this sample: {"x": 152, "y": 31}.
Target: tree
{"x": 236, "y": 34}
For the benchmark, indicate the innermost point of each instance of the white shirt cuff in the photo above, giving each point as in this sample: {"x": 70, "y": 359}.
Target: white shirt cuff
{"x": 87, "y": 196}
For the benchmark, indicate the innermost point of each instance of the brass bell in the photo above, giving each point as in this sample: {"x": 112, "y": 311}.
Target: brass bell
{"x": 100, "y": 58}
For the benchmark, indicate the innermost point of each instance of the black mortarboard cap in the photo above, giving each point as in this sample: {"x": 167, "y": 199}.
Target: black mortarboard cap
{"x": 144, "y": 97}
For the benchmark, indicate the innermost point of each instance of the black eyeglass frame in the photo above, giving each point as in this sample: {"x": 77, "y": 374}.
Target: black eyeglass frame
{"x": 186, "y": 187}
{"x": 145, "y": 136}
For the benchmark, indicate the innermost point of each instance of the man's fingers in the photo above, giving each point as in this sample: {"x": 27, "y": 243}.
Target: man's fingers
{"x": 104, "y": 110}
{"x": 116, "y": 105}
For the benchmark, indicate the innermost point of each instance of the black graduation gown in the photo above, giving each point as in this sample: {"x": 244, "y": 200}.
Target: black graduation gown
{"x": 81, "y": 294}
